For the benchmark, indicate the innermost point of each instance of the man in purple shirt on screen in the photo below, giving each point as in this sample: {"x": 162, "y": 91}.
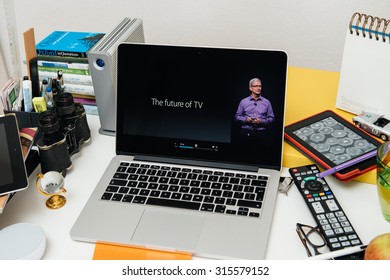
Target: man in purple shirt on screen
{"x": 254, "y": 112}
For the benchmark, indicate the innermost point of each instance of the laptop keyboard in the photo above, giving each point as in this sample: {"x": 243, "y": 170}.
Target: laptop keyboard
{"x": 232, "y": 193}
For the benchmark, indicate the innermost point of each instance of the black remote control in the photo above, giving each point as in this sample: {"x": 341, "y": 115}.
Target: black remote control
{"x": 326, "y": 210}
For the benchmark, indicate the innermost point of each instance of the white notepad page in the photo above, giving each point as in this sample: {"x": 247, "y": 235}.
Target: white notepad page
{"x": 365, "y": 73}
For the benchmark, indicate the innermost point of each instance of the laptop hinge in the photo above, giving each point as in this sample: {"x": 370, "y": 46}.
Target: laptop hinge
{"x": 211, "y": 164}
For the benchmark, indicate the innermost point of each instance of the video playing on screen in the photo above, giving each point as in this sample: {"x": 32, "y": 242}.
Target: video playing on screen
{"x": 212, "y": 103}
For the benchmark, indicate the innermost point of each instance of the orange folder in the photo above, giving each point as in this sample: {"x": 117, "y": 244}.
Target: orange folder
{"x": 117, "y": 252}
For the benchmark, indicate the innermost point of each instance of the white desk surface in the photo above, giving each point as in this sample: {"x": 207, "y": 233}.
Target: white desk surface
{"x": 359, "y": 201}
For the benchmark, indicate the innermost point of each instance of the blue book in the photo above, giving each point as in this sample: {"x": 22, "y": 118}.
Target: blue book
{"x": 68, "y": 43}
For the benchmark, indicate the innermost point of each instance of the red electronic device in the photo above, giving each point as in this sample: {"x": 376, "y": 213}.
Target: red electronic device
{"x": 330, "y": 140}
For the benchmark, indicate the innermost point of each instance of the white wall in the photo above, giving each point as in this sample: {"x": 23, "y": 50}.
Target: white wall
{"x": 311, "y": 31}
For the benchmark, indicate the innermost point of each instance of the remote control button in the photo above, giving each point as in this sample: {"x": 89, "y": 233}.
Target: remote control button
{"x": 329, "y": 232}
{"x": 352, "y": 236}
{"x": 342, "y": 219}
{"x": 348, "y": 229}
{"x": 330, "y": 215}
{"x": 336, "y": 246}
{"x": 318, "y": 207}
{"x": 355, "y": 242}
{"x": 335, "y": 225}
{"x": 313, "y": 185}
{"x": 345, "y": 224}
{"x": 332, "y": 205}
{"x": 322, "y": 181}
{"x": 346, "y": 243}
{"x": 323, "y": 222}
{"x": 340, "y": 214}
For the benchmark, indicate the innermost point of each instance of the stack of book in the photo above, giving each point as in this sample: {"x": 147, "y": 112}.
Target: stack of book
{"x": 68, "y": 51}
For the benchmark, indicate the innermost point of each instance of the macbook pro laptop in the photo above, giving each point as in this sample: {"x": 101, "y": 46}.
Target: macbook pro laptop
{"x": 188, "y": 175}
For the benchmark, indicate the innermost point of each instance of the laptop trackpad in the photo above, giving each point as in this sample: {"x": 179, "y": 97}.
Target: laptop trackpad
{"x": 169, "y": 230}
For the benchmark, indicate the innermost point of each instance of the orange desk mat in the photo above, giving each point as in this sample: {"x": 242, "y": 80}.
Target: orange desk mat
{"x": 117, "y": 252}
{"x": 310, "y": 92}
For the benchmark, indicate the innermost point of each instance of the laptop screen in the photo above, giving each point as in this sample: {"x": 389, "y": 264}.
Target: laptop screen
{"x": 201, "y": 103}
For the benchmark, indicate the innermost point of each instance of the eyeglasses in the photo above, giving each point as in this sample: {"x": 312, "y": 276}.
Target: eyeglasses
{"x": 256, "y": 86}
{"x": 311, "y": 236}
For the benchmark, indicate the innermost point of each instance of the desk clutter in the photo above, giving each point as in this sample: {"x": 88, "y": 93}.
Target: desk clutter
{"x": 60, "y": 133}
{"x": 61, "y": 58}
{"x": 62, "y": 129}
{"x": 334, "y": 143}
{"x": 360, "y": 94}
{"x": 57, "y": 126}
{"x": 324, "y": 84}
{"x": 58, "y": 92}
{"x": 60, "y": 88}
{"x": 46, "y": 99}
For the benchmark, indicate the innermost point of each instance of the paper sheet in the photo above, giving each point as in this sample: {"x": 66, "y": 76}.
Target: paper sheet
{"x": 364, "y": 76}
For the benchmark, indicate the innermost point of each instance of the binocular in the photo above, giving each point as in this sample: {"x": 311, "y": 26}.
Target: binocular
{"x": 64, "y": 129}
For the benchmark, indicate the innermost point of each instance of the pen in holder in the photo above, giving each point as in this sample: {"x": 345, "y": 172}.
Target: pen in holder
{"x": 52, "y": 184}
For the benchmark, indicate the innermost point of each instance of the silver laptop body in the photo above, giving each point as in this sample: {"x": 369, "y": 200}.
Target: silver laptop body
{"x": 178, "y": 110}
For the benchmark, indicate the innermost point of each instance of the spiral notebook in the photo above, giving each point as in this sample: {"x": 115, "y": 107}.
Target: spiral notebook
{"x": 365, "y": 69}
